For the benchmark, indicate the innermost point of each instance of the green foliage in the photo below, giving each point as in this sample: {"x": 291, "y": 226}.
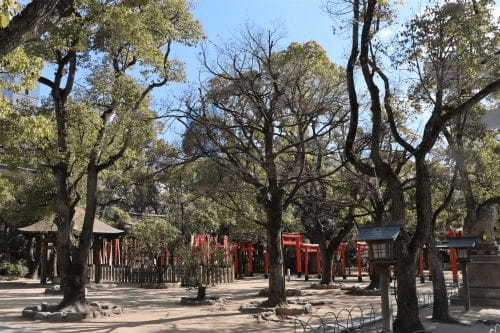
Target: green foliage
{"x": 24, "y": 197}
{"x": 192, "y": 259}
{"x": 153, "y": 235}
{"x": 451, "y": 46}
{"x": 117, "y": 215}
{"x": 17, "y": 269}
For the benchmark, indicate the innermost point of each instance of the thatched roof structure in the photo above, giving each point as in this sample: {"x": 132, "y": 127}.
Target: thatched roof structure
{"x": 47, "y": 225}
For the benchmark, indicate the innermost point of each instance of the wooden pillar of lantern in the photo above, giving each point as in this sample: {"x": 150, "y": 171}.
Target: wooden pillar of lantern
{"x": 421, "y": 267}
{"x": 381, "y": 255}
{"x": 43, "y": 259}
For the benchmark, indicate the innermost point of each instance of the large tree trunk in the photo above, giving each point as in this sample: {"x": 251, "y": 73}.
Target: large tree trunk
{"x": 326, "y": 263}
{"x": 73, "y": 273}
{"x": 440, "y": 310}
{"x": 74, "y": 254}
{"x": 408, "y": 316}
{"x": 374, "y": 280}
{"x": 406, "y": 267}
{"x": 276, "y": 269}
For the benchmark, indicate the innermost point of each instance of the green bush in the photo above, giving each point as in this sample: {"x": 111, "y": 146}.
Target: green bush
{"x": 17, "y": 268}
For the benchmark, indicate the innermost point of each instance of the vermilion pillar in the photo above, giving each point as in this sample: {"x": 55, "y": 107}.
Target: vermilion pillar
{"x": 306, "y": 264}
{"x": 298, "y": 257}
{"x": 453, "y": 264}
{"x": 359, "y": 262}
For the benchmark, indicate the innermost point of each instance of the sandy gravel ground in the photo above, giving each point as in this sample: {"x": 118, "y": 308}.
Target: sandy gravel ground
{"x": 154, "y": 311}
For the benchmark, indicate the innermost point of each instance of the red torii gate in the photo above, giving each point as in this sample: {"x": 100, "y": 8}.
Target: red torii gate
{"x": 361, "y": 251}
{"x": 295, "y": 240}
{"x": 311, "y": 248}
{"x": 236, "y": 250}
{"x": 452, "y": 252}
{"x": 342, "y": 255}
{"x": 453, "y": 233}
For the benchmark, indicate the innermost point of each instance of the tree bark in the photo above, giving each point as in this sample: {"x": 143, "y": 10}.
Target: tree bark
{"x": 440, "y": 309}
{"x": 408, "y": 319}
{"x": 202, "y": 292}
{"x": 406, "y": 267}
{"x": 74, "y": 274}
{"x": 374, "y": 280}
{"x": 33, "y": 21}
{"x": 326, "y": 263}
{"x": 277, "y": 293}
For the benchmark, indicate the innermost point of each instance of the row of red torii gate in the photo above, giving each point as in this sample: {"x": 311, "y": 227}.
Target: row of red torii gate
{"x": 350, "y": 259}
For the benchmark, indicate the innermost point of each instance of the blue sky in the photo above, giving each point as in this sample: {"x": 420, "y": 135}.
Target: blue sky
{"x": 298, "y": 20}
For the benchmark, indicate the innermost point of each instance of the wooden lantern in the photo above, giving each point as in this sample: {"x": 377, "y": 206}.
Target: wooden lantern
{"x": 380, "y": 243}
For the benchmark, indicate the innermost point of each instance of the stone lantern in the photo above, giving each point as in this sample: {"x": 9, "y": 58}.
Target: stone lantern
{"x": 463, "y": 246}
{"x": 381, "y": 245}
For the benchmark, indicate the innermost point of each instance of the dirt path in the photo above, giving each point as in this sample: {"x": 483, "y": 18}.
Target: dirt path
{"x": 153, "y": 311}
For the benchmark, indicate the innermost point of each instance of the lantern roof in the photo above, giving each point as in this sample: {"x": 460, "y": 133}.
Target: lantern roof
{"x": 462, "y": 242}
{"x": 389, "y": 232}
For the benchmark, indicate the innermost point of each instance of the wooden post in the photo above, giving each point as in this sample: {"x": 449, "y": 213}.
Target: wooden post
{"x": 358, "y": 261}
{"x": 54, "y": 253}
{"x": 386, "y": 306}
{"x": 97, "y": 259}
{"x": 43, "y": 260}
{"x": 343, "y": 260}
{"x": 429, "y": 261}
{"x": 298, "y": 257}
{"x": 306, "y": 264}
{"x": 466, "y": 287}
{"x": 318, "y": 264}
{"x": 453, "y": 264}
{"x": 421, "y": 267}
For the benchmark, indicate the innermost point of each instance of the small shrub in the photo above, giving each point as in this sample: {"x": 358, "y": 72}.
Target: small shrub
{"x": 17, "y": 268}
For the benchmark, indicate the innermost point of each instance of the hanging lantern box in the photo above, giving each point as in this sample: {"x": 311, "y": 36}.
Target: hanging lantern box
{"x": 463, "y": 245}
{"x": 380, "y": 243}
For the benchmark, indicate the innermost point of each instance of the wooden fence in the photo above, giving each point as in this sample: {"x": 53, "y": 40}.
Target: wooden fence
{"x": 162, "y": 274}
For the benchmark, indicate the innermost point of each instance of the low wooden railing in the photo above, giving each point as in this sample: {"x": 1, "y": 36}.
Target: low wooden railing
{"x": 188, "y": 276}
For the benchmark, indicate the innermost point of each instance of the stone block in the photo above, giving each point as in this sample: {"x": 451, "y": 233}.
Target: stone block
{"x": 117, "y": 310}
{"x": 41, "y": 315}
{"x": 75, "y": 316}
{"x": 286, "y": 311}
{"x": 55, "y": 316}
{"x": 28, "y": 313}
